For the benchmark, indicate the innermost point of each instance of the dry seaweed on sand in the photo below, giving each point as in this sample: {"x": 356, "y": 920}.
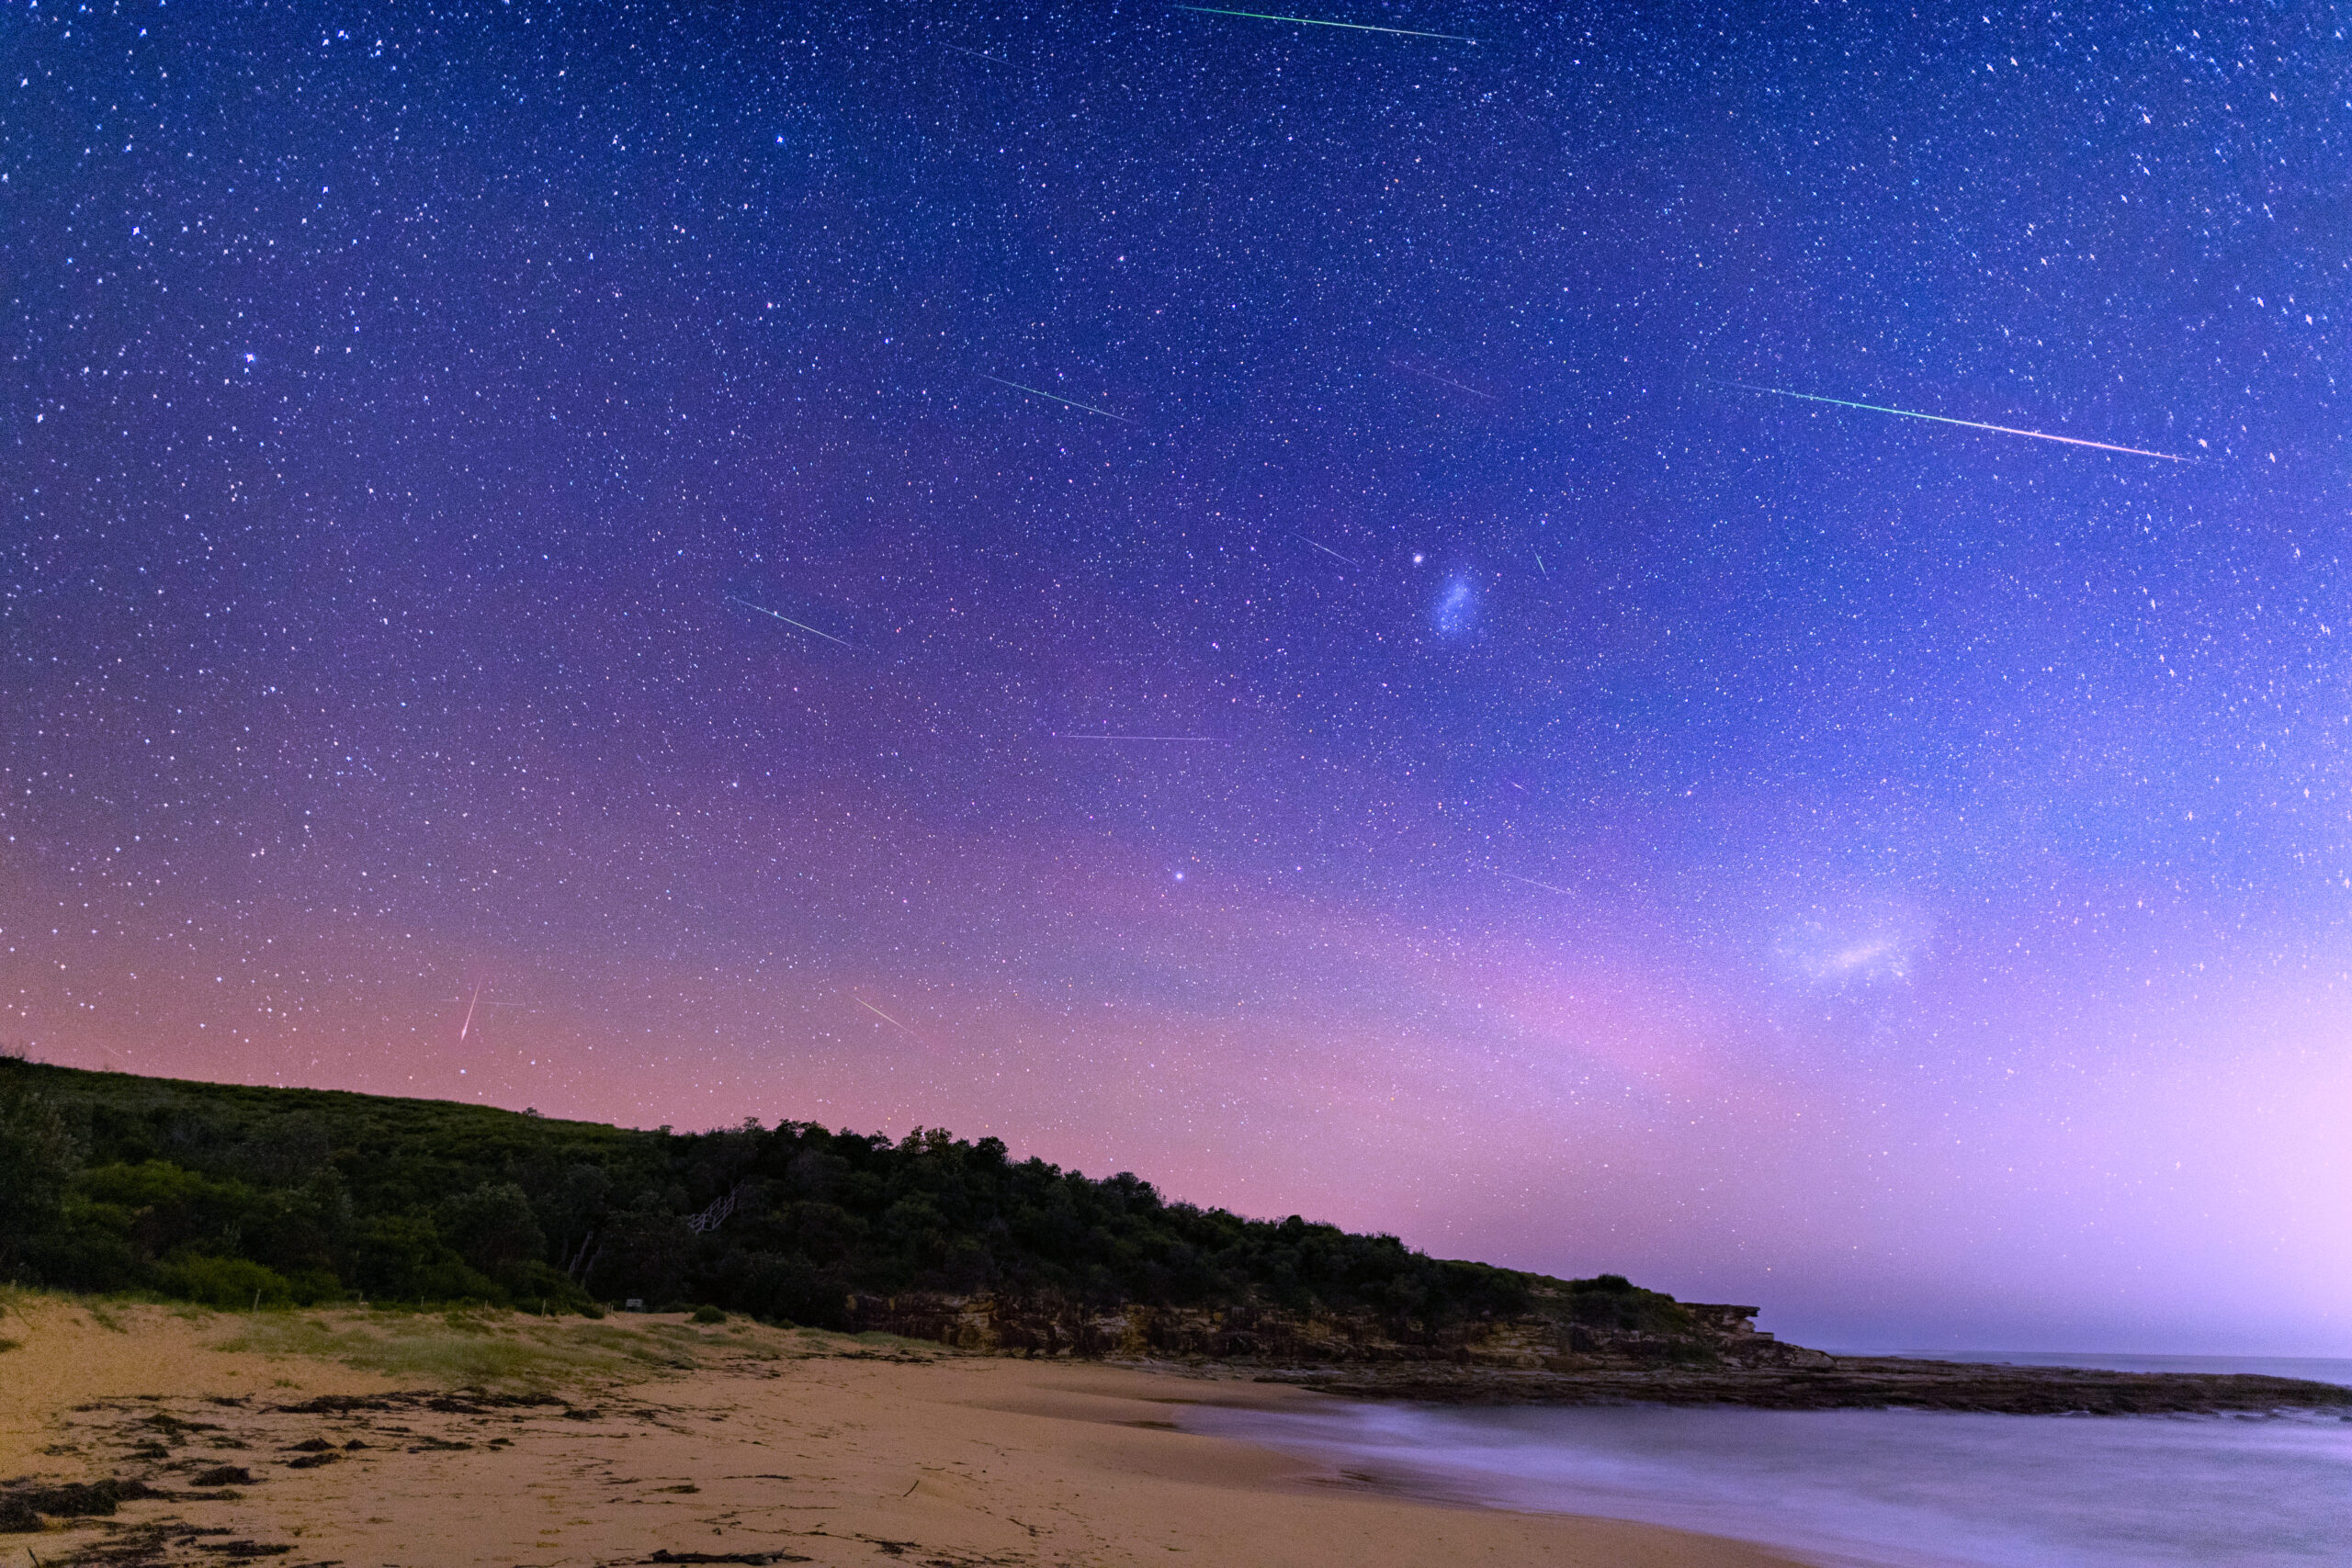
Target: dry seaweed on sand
{"x": 69, "y": 1500}
{"x": 242, "y": 1550}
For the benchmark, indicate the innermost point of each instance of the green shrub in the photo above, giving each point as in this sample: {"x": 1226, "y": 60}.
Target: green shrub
{"x": 227, "y": 1282}
{"x": 171, "y": 1209}
{"x": 37, "y": 1160}
{"x": 493, "y": 1229}
{"x": 402, "y": 1258}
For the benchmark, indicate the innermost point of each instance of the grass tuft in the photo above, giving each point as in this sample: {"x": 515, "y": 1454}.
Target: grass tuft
{"x": 482, "y": 1349}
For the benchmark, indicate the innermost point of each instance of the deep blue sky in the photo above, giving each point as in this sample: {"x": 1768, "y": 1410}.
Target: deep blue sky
{"x": 1605, "y": 817}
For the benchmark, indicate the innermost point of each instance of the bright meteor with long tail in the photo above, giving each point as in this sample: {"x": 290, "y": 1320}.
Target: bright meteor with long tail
{"x": 1969, "y": 424}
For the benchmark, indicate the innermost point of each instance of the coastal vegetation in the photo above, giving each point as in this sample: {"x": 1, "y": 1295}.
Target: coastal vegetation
{"x": 236, "y": 1196}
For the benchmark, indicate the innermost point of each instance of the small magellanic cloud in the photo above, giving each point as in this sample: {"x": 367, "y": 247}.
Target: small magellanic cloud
{"x": 1457, "y": 608}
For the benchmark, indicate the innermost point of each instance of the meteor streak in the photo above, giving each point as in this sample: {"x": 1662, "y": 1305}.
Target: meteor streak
{"x": 787, "y": 620}
{"x": 1204, "y": 739}
{"x": 1441, "y": 381}
{"x": 1969, "y": 424}
{"x": 1532, "y": 881}
{"x": 1034, "y": 392}
{"x": 1329, "y": 551}
{"x": 886, "y": 1017}
{"x": 1313, "y": 22}
{"x": 465, "y": 1027}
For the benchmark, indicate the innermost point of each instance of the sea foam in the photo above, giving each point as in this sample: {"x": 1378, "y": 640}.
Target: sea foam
{"x": 1901, "y": 1488}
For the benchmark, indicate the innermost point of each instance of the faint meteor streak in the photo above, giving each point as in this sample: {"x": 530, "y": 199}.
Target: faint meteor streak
{"x": 1531, "y": 882}
{"x": 1316, "y": 22}
{"x": 1034, "y": 392}
{"x": 1441, "y": 381}
{"x": 787, "y": 620}
{"x": 887, "y": 1018}
{"x": 1332, "y": 553}
{"x": 1204, "y": 739}
{"x": 1969, "y": 424}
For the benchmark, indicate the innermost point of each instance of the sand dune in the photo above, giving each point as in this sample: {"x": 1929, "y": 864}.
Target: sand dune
{"x": 653, "y": 1439}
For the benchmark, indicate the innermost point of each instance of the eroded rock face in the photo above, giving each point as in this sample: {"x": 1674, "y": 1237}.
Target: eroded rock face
{"x": 1845, "y": 1383}
{"x": 1691, "y": 1354}
{"x": 1679, "y": 1334}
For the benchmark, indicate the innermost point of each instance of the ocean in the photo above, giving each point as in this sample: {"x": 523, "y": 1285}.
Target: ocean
{"x": 2313, "y": 1368}
{"x": 1885, "y": 1488}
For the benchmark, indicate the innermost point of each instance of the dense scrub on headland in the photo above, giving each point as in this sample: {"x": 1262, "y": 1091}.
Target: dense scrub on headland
{"x": 240, "y": 1196}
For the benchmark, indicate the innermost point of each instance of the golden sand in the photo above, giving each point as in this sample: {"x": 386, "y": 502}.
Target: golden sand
{"x": 653, "y": 1440}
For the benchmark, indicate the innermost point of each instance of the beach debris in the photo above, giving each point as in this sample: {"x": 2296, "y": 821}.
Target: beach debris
{"x": 242, "y": 1550}
{"x": 72, "y": 1500}
{"x": 756, "y": 1557}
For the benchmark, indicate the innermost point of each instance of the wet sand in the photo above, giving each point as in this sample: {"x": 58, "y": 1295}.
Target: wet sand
{"x": 728, "y": 1443}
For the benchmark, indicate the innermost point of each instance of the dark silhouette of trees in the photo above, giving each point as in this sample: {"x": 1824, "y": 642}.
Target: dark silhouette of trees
{"x": 108, "y": 1180}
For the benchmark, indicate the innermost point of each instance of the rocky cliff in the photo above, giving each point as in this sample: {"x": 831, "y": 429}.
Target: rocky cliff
{"x": 1565, "y": 1331}
{"x": 1574, "y": 1346}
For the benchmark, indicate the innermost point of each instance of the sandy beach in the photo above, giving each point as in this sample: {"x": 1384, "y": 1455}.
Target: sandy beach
{"x": 380, "y": 1440}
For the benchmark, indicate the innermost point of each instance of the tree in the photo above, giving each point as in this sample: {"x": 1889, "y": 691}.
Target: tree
{"x": 37, "y": 1159}
{"x": 492, "y": 1228}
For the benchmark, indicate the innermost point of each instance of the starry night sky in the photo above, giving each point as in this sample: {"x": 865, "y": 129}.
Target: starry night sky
{"x": 1211, "y": 596}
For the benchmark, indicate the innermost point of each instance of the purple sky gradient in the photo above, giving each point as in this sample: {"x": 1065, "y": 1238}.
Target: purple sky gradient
{"x": 1891, "y": 874}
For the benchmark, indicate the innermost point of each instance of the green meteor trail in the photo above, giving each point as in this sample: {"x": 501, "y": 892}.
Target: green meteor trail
{"x": 787, "y": 620}
{"x": 1314, "y": 22}
{"x": 1034, "y": 392}
{"x": 1969, "y": 424}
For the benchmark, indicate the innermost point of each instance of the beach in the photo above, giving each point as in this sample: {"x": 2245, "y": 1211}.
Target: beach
{"x": 409, "y": 1441}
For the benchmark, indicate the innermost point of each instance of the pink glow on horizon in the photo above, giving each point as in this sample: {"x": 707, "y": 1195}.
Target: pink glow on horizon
{"x": 1567, "y": 1110}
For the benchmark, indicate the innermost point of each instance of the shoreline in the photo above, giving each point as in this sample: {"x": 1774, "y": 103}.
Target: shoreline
{"x": 312, "y": 1437}
{"x": 1849, "y": 1383}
